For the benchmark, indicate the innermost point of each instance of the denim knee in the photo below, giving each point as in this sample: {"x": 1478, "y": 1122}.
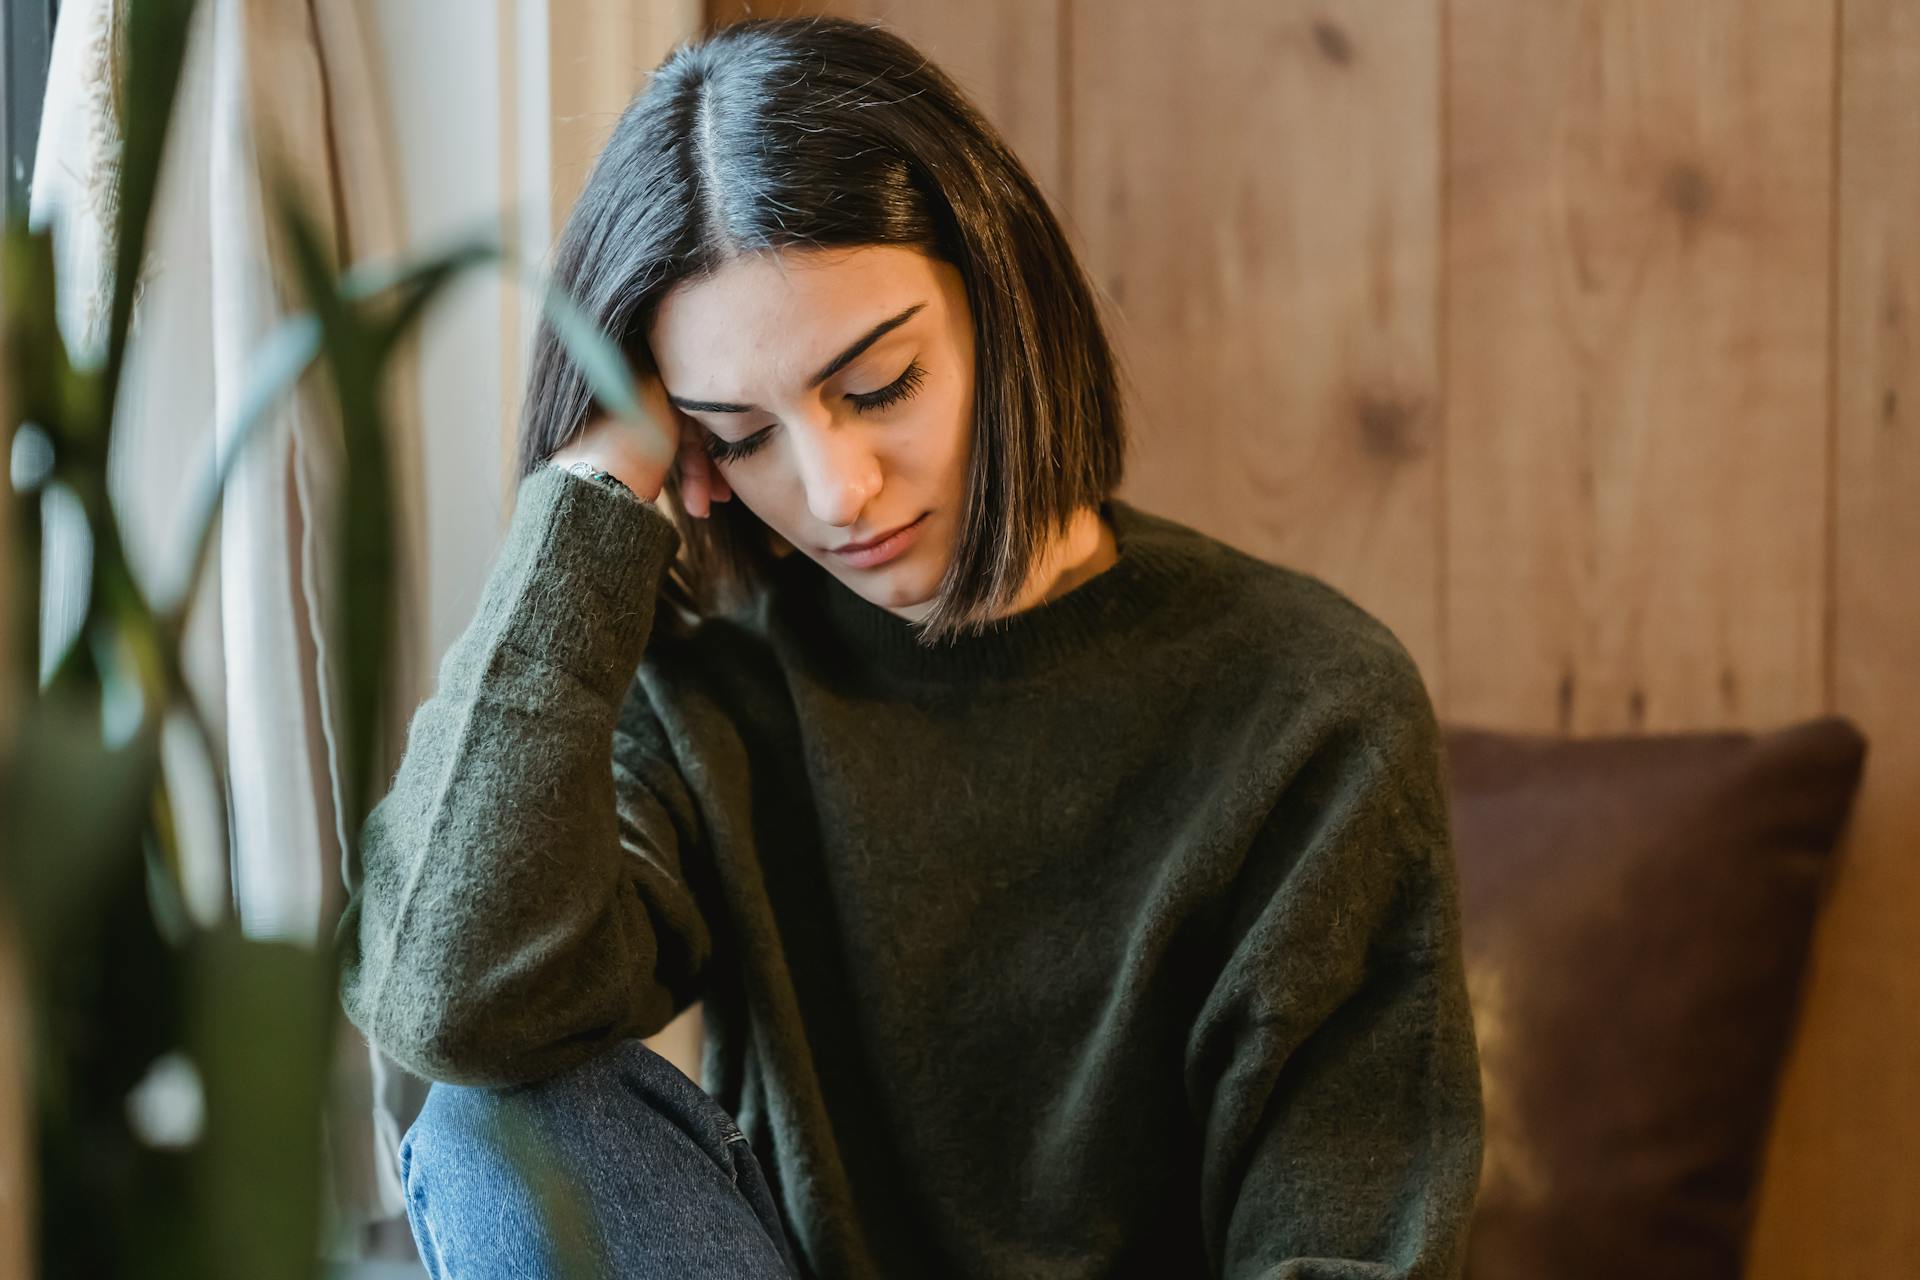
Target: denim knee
{"x": 558, "y": 1176}
{"x": 492, "y": 1174}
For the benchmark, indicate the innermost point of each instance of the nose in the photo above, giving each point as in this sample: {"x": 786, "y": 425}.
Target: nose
{"x": 840, "y": 473}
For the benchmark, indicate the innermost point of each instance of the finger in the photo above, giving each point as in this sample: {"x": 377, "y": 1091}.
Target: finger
{"x": 717, "y": 488}
{"x": 694, "y": 487}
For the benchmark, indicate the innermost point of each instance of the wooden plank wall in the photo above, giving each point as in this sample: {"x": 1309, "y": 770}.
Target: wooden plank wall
{"x": 1580, "y": 343}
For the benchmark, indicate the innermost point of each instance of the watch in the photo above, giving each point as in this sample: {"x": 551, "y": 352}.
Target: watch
{"x": 605, "y": 479}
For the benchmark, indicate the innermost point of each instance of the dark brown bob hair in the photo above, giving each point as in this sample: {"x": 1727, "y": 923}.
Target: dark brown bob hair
{"x": 815, "y": 133}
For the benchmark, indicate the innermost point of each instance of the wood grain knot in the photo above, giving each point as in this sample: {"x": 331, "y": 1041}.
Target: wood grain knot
{"x": 1386, "y": 426}
{"x": 1333, "y": 42}
{"x": 1688, "y": 191}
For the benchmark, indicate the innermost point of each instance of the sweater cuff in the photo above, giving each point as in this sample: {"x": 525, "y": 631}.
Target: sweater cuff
{"x": 588, "y": 563}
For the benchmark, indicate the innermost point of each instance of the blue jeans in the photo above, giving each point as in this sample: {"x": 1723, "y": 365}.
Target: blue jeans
{"x": 621, "y": 1166}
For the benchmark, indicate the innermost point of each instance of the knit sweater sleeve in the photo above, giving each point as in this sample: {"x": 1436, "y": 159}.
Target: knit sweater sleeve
{"x": 522, "y": 903}
{"x": 1334, "y": 1069}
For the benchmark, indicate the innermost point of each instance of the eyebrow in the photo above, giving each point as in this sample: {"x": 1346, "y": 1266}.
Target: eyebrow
{"x": 833, "y": 366}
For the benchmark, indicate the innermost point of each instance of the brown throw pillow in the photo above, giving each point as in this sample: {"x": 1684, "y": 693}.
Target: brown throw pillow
{"x": 1637, "y": 911}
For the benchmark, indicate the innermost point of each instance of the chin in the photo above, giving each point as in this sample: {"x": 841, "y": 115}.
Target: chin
{"x": 904, "y": 589}
{"x": 903, "y": 595}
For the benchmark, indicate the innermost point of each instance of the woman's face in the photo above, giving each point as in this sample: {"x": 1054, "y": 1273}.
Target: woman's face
{"x": 835, "y": 389}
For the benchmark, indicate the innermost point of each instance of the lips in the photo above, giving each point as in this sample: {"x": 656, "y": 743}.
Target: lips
{"x": 888, "y": 547}
{"x": 873, "y": 542}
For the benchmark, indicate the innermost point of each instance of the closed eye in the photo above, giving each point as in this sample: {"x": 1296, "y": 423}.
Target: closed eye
{"x": 723, "y": 450}
{"x": 899, "y": 389}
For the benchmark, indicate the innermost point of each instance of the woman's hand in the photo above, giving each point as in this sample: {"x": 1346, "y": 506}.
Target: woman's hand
{"x": 701, "y": 484}
{"x": 611, "y": 445}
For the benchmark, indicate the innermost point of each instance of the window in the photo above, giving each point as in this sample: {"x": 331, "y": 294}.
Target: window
{"x": 26, "y": 46}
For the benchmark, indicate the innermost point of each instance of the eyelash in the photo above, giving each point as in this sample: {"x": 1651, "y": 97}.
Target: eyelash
{"x": 899, "y": 389}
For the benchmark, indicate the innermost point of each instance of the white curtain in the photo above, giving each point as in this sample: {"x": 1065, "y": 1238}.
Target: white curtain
{"x": 296, "y": 76}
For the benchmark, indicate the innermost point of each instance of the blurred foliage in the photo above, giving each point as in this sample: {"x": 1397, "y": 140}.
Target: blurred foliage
{"x": 130, "y": 1000}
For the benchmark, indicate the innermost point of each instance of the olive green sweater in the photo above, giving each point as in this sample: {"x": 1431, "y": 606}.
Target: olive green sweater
{"x": 1122, "y": 940}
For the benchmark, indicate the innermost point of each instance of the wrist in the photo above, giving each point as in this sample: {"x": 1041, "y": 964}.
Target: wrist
{"x": 594, "y": 473}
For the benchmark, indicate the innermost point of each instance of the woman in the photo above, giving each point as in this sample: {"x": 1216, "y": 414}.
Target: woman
{"x": 1069, "y": 893}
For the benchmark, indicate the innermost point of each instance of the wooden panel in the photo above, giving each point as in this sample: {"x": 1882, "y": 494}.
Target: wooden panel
{"x": 1637, "y": 304}
{"x": 1842, "y": 1192}
{"x": 601, "y": 52}
{"x": 1005, "y": 54}
{"x": 722, "y": 12}
{"x": 1256, "y": 189}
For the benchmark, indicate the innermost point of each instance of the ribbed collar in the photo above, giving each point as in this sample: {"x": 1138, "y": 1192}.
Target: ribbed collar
{"x": 1142, "y": 581}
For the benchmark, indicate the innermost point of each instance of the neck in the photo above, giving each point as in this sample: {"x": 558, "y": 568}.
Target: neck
{"x": 1087, "y": 549}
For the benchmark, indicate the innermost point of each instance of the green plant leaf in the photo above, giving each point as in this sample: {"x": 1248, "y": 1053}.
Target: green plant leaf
{"x": 605, "y": 368}
{"x": 42, "y": 385}
{"x": 559, "y": 1198}
{"x": 73, "y": 811}
{"x": 273, "y": 370}
{"x": 407, "y": 288}
{"x": 261, "y": 1023}
{"x": 111, "y": 1003}
{"x": 602, "y": 363}
{"x": 357, "y": 347}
